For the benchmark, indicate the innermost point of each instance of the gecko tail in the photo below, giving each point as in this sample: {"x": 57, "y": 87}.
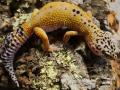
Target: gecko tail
{"x": 9, "y": 67}
{"x": 10, "y": 46}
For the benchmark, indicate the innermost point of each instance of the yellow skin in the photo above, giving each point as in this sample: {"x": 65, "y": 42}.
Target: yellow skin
{"x": 61, "y": 14}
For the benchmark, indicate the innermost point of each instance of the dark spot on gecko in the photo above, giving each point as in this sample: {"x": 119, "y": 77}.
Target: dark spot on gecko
{"x": 74, "y": 15}
{"x": 65, "y": 8}
{"x": 5, "y": 47}
{"x": 106, "y": 37}
{"x": 13, "y": 45}
{"x": 91, "y": 26}
{"x": 74, "y": 10}
{"x": 17, "y": 30}
{"x": 103, "y": 52}
{"x": 89, "y": 20}
{"x": 50, "y": 6}
{"x": 10, "y": 40}
{"x": 84, "y": 23}
{"x": 97, "y": 40}
{"x": 94, "y": 27}
{"x": 106, "y": 54}
{"x": 80, "y": 14}
{"x": 77, "y": 12}
{"x": 101, "y": 42}
{"x": 112, "y": 47}
{"x": 7, "y": 41}
{"x": 12, "y": 35}
{"x": 7, "y": 54}
{"x": 98, "y": 47}
{"x": 105, "y": 46}
{"x": 17, "y": 43}
{"x": 10, "y": 51}
{"x": 11, "y": 70}
{"x": 95, "y": 32}
{"x": 108, "y": 42}
{"x": 100, "y": 32}
{"x": 103, "y": 39}
{"x": 96, "y": 51}
{"x": 7, "y": 67}
{"x": 21, "y": 33}
{"x": 15, "y": 40}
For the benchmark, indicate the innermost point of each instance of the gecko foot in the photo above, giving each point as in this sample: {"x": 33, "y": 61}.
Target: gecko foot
{"x": 51, "y": 48}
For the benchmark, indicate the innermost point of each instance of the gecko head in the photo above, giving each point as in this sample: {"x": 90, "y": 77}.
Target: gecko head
{"x": 103, "y": 44}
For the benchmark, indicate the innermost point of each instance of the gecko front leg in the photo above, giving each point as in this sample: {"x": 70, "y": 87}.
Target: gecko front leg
{"x": 43, "y": 36}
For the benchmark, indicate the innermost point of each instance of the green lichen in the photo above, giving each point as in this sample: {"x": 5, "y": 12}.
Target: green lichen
{"x": 52, "y": 67}
{"x": 20, "y": 18}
